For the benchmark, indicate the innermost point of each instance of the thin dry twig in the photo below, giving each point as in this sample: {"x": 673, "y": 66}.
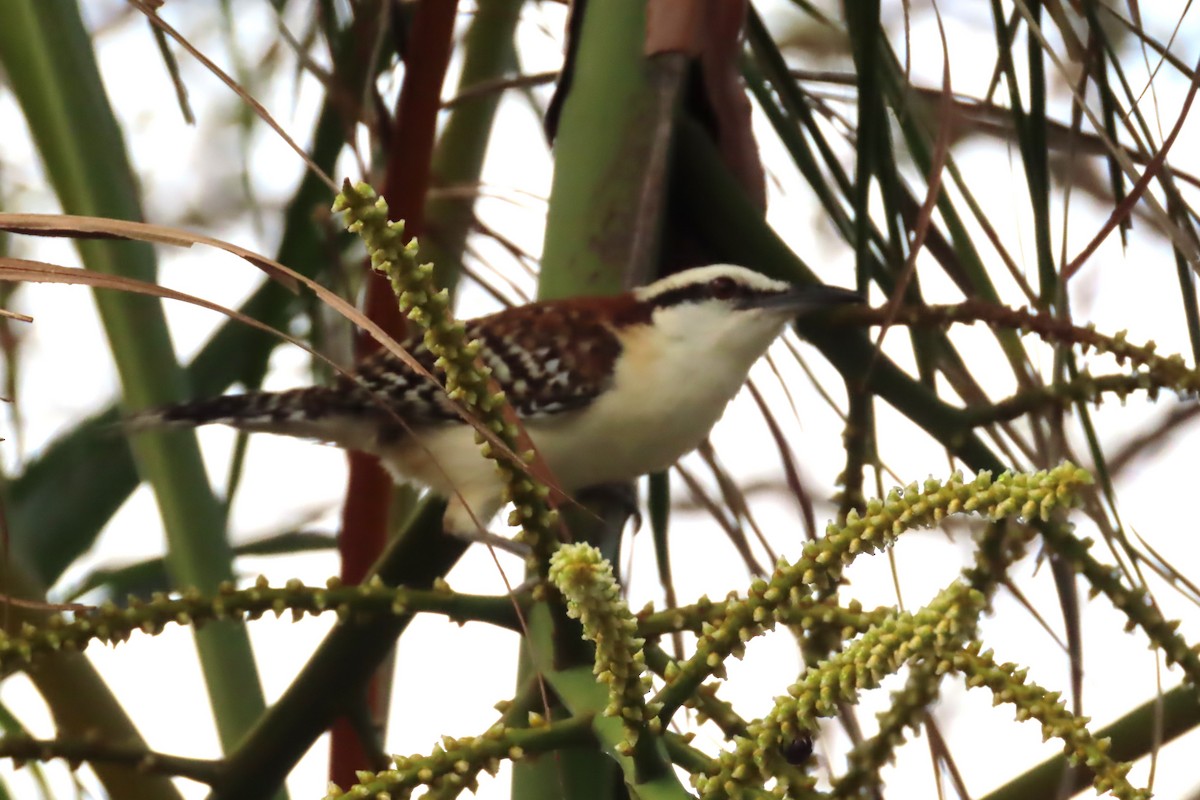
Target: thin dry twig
{"x": 158, "y": 22}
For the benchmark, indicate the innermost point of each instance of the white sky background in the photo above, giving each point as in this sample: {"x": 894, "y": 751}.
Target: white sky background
{"x": 449, "y": 688}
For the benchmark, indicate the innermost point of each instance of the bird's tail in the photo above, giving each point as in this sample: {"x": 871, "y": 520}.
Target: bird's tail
{"x": 313, "y": 413}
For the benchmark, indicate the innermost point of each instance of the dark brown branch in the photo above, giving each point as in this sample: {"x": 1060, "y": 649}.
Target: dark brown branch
{"x": 135, "y": 756}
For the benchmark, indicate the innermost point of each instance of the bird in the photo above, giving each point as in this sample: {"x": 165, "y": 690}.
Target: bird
{"x": 608, "y": 388}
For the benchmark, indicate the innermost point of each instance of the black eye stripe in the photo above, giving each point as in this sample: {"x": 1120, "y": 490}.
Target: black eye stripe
{"x": 722, "y": 287}
{"x": 699, "y": 292}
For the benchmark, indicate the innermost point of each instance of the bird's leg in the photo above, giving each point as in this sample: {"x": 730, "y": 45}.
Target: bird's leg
{"x": 600, "y": 516}
{"x": 620, "y": 498}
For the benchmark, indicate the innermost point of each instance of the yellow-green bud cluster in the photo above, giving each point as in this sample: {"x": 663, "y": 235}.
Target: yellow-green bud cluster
{"x": 113, "y": 624}
{"x": 467, "y": 379}
{"x": 940, "y": 627}
{"x": 1084, "y": 387}
{"x": 935, "y": 641}
{"x": 593, "y": 597}
{"x": 1009, "y": 685}
{"x": 998, "y": 547}
{"x": 850, "y": 619}
{"x": 1135, "y": 603}
{"x": 907, "y": 710}
{"x": 1029, "y": 495}
{"x": 1170, "y": 371}
{"x": 454, "y": 765}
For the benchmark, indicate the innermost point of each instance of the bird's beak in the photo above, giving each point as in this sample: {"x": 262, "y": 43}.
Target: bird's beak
{"x": 799, "y": 300}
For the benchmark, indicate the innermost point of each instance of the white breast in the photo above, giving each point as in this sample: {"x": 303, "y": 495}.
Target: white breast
{"x": 672, "y": 382}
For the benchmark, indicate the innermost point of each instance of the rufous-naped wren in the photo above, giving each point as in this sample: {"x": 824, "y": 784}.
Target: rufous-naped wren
{"x": 608, "y": 388}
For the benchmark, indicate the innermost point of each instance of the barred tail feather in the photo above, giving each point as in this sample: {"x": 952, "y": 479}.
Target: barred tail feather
{"x": 318, "y": 413}
{"x": 229, "y": 409}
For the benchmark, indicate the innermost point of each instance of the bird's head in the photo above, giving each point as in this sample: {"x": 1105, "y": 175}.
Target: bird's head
{"x": 732, "y": 306}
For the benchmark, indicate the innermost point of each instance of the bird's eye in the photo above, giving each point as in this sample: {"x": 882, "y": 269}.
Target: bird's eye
{"x": 722, "y": 288}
